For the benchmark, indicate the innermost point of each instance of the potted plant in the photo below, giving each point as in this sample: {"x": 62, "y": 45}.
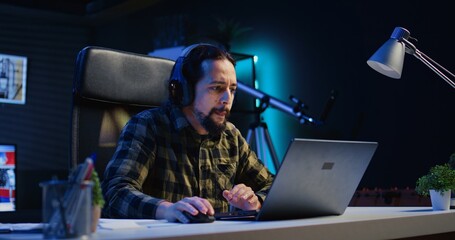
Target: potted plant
{"x": 452, "y": 165}
{"x": 437, "y": 183}
{"x": 98, "y": 200}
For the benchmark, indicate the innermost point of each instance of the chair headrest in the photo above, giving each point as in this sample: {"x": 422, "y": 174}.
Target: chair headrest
{"x": 109, "y": 75}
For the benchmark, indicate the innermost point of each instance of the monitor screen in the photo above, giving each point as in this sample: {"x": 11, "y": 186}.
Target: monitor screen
{"x": 7, "y": 177}
{"x": 20, "y": 193}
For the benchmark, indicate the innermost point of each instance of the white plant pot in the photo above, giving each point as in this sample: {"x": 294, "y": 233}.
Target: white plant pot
{"x": 440, "y": 201}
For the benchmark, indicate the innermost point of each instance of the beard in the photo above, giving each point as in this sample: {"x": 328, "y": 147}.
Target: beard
{"x": 214, "y": 128}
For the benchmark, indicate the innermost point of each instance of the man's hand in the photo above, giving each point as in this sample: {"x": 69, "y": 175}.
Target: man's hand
{"x": 243, "y": 197}
{"x": 173, "y": 211}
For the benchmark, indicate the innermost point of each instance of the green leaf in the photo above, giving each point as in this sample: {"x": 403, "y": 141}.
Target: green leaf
{"x": 98, "y": 198}
{"x": 439, "y": 178}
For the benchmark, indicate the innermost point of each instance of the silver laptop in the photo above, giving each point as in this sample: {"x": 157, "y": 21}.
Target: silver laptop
{"x": 316, "y": 178}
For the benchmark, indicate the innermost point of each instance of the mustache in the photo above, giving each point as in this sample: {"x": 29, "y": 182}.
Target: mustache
{"x": 221, "y": 109}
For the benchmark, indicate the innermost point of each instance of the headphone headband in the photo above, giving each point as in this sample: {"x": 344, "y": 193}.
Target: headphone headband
{"x": 186, "y": 51}
{"x": 179, "y": 89}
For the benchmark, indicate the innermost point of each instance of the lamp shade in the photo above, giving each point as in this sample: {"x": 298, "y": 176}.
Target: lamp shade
{"x": 389, "y": 58}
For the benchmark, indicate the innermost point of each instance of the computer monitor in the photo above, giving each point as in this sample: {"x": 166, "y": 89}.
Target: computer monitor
{"x": 7, "y": 177}
{"x": 20, "y": 194}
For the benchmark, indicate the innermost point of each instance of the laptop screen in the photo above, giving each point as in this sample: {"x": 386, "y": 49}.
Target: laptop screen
{"x": 7, "y": 177}
{"x": 317, "y": 177}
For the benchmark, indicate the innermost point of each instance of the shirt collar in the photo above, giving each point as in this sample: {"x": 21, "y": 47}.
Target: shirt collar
{"x": 178, "y": 118}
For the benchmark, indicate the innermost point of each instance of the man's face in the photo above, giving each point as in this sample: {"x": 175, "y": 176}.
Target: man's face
{"x": 214, "y": 94}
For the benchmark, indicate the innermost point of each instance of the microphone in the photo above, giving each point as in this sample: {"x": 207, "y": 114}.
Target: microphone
{"x": 328, "y": 105}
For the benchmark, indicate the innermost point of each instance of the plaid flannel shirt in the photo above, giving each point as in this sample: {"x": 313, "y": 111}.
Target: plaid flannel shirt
{"x": 160, "y": 148}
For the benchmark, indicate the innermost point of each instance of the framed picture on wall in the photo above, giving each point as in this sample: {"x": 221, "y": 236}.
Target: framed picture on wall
{"x": 13, "y": 78}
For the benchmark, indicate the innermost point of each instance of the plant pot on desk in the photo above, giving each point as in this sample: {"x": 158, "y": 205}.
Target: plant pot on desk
{"x": 98, "y": 200}
{"x": 437, "y": 183}
{"x": 440, "y": 200}
{"x": 452, "y": 199}
{"x": 96, "y": 214}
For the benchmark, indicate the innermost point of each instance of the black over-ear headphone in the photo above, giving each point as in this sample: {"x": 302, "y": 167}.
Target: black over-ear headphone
{"x": 180, "y": 91}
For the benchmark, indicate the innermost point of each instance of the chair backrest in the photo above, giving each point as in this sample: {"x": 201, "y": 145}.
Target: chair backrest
{"x": 109, "y": 87}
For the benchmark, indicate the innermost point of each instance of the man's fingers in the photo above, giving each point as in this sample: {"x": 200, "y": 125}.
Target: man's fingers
{"x": 248, "y": 195}
{"x": 234, "y": 191}
{"x": 243, "y": 197}
{"x": 227, "y": 195}
{"x": 186, "y": 205}
{"x": 244, "y": 193}
{"x": 197, "y": 204}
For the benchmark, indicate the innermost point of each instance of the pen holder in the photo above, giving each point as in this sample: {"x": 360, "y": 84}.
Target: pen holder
{"x": 66, "y": 209}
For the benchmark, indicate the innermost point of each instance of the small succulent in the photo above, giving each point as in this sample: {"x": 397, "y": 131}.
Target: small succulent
{"x": 439, "y": 178}
{"x": 98, "y": 198}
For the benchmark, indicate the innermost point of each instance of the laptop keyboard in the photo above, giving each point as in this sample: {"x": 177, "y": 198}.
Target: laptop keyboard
{"x": 236, "y": 215}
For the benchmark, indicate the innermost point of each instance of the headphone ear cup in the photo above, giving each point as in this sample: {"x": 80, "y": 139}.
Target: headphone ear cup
{"x": 186, "y": 91}
{"x": 179, "y": 89}
{"x": 175, "y": 91}
{"x": 175, "y": 86}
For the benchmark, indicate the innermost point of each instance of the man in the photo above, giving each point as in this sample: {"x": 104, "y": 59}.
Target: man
{"x": 191, "y": 156}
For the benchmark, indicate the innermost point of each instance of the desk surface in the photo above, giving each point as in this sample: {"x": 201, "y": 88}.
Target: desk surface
{"x": 355, "y": 223}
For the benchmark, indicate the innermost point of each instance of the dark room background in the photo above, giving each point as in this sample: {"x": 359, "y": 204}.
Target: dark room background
{"x": 306, "y": 50}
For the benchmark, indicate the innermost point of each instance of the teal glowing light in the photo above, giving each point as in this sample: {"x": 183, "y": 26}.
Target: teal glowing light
{"x": 270, "y": 80}
{"x": 256, "y": 85}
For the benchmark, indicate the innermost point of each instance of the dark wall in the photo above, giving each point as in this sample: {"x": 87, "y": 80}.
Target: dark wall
{"x": 40, "y": 127}
{"x": 322, "y": 47}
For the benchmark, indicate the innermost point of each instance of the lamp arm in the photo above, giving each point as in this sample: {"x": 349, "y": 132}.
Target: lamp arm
{"x": 411, "y": 49}
{"x": 437, "y": 64}
{"x": 435, "y": 69}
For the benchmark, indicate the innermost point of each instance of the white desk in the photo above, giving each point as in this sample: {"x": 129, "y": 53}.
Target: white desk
{"x": 356, "y": 223}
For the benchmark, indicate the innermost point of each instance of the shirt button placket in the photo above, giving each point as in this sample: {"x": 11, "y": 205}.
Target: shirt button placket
{"x": 203, "y": 169}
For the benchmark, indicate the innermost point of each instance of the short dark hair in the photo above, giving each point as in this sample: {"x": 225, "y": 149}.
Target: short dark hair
{"x": 192, "y": 65}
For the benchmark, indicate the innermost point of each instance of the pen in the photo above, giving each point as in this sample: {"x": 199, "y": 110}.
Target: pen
{"x": 11, "y": 230}
{"x": 6, "y": 229}
{"x": 76, "y": 201}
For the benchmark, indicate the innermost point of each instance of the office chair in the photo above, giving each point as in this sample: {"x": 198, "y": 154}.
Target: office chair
{"x": 109, "y": 87}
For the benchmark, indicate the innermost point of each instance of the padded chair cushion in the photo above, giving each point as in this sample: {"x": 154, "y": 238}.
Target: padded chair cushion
{"x": 106, "y": 81}
{"x": 121, "y": 77}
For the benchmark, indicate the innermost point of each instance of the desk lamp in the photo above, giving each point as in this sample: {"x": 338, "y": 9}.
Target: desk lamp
{"x": 388, "y": 59}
